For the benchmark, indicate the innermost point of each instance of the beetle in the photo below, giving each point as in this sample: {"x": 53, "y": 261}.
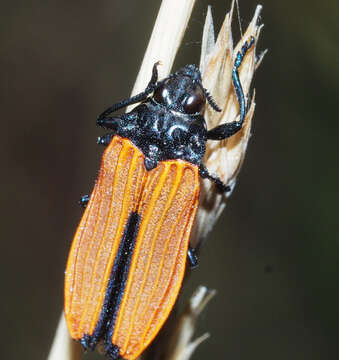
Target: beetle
{"x": 128, "y": 256}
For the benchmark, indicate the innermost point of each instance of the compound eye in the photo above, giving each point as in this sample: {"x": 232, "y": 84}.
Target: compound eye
{"x": 194, "y": 102}
{"x": 161, "y": 94}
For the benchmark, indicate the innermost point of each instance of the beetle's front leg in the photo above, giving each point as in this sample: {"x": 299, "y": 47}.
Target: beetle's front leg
{"x": 137, "y": 98}
{"x": 205, "y": 174}
{"x": 108, "y": 122}
{"x": 224, "y": 131}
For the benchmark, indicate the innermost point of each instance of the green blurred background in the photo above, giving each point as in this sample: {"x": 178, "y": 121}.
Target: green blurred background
{"x": 273, "y": 257}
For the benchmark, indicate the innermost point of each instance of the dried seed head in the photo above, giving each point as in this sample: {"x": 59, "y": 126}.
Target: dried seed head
{"x": 224, "y": 158}
{"x": 181, "y": 346}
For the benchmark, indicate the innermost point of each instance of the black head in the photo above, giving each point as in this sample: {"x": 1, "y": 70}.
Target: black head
{"x": 183, "y": 91}
{"x": 168, "y": 125}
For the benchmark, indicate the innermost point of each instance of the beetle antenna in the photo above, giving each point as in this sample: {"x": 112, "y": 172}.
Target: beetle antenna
{"x": 159, "y": 83}
{"x": 209, "y": 98}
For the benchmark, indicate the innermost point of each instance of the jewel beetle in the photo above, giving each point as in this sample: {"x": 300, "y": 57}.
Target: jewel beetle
{"x": 129, "y": 252}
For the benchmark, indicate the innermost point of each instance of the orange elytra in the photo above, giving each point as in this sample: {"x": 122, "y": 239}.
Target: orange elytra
{"x": 128, "y": 256}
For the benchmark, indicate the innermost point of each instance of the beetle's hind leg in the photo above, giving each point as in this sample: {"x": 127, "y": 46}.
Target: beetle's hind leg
{"x": 84, "y": 201}
{"x": 204, "y": 173}
{"x": 192, "y": 257}
{"x": 226, "y": 130}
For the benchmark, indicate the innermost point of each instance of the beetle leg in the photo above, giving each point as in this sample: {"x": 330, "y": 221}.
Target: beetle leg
{"x": 192, "y": 257}
{"x": 105, "y": 139}
{"x": 137, "y": 98}
{"x": 84, "y": 201}
{"x": 111, "y": 123}
{"x": 226, "y": 130}
{"x": 204, "y": 173}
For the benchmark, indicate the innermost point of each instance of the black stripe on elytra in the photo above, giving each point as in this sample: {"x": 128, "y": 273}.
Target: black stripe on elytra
{"x": 114, "y": 292}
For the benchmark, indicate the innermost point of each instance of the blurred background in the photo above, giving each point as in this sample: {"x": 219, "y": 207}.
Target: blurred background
{"x": 274, "y": 255}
